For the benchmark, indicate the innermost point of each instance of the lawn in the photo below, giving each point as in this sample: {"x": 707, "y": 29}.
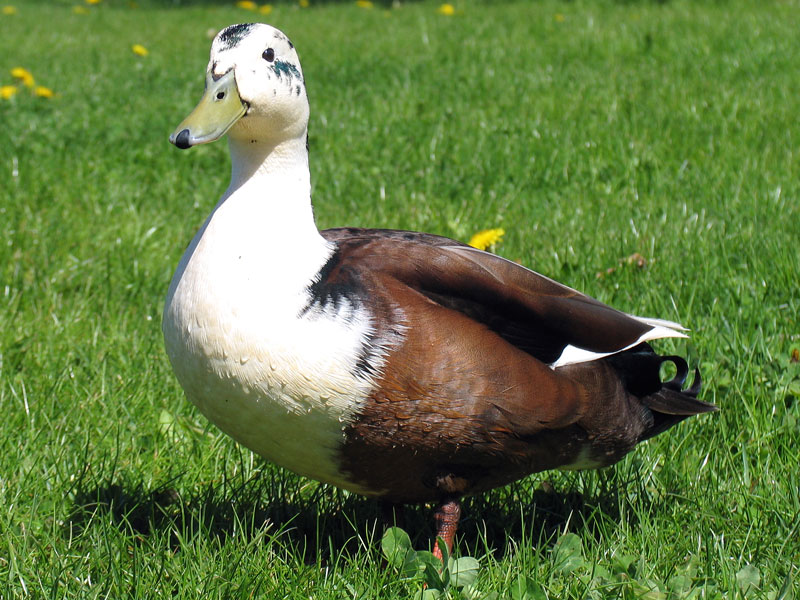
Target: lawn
{"x": 646, "y": 153}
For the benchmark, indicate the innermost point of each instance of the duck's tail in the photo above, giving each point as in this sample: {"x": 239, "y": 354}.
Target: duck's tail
{"x": 668, "y": 401}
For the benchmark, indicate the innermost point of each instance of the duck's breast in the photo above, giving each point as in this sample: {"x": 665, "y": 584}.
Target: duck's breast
{"x": 279, "y": 374}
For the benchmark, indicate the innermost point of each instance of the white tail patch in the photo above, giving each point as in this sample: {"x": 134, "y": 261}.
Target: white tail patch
{"x": 663, "y": 323}
{"x": 660, "y": 328}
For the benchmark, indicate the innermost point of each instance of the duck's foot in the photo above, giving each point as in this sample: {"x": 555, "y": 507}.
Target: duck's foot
{"x": 447, "y": 515}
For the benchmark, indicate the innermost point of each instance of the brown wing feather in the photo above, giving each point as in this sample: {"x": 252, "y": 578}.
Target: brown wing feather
{"x": 531, "y": 311}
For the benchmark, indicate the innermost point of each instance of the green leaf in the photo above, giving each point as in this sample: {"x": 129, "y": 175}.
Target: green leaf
{"x": 525, "y": 588}
{"x": 567, "y": 553}
{"x": 423, "y": 557}
{"x": 412, "y": 566}
{"x": 680, "y": 584}
{"x": 443, "y": 549}
{"x": 432, "y": 577}
{"x": 444, "y": 577}
{"x": 648, "y": 590}
{"x": 472, "y": 593}
{"x": 600, "y": 573}
{"x": 621, "y": 563}
{"x": 784, "y": 592}
{"x": 464, "y": 571}
{"x": 396, "y": 546}
{"x": 166, "y": 422}
{"x": 748, "y": 579}
{"x": 428, "y": 594}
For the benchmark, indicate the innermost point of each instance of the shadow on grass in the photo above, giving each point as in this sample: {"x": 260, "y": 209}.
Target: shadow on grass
{"x": 321, "y": 523}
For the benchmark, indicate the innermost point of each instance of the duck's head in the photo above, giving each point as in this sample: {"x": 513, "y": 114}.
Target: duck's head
{"x": 254, "y": 90}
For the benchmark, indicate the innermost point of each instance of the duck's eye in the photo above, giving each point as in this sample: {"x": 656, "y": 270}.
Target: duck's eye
{"x": 268, "y": 55}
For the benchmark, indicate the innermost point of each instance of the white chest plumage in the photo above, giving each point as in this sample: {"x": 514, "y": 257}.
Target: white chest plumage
{"x": 282, "y": 384}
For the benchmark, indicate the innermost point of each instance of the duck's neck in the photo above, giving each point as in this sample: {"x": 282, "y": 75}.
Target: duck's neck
{"x": 253, "y": 163}
{"x": 268, "y": 204}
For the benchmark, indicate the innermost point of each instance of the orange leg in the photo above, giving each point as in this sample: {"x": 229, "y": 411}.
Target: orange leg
{"x": 447, "y": 515}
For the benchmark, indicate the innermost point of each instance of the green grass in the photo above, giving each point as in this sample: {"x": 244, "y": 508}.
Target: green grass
{"x": 590, "y": 131}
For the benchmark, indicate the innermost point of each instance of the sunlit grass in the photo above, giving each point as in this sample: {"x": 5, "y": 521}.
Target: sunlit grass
{"x": 590, "y": 132}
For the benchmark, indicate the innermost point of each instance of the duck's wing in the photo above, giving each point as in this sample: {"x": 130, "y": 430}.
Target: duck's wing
{"x": 489, "y": 371}
{"x": 552, "y": 322}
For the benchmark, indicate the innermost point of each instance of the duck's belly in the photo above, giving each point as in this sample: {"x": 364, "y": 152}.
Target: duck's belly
{"x": 284, "y": 386}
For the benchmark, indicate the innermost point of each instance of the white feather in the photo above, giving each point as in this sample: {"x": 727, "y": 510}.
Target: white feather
{"x": 659, "y": 329}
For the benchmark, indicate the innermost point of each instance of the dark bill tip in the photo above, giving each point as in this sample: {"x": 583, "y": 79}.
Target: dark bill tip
{"x": 182, "y": 140}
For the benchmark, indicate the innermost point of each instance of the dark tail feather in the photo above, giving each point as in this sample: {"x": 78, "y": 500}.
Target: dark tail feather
{"x": 669, "y": 403}
{"x": 671, "y": 399}
{"x": 672, "y": 404}
{"x": 676, "y": 383}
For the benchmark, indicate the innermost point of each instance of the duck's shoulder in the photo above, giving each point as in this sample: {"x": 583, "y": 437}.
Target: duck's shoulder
{"x": 363, "y": 263}
{"x": 386, "y": 238}
{"x": 537, "y": 314}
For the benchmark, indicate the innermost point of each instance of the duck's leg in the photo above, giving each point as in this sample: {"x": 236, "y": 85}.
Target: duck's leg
{"x": 447, "y": 515}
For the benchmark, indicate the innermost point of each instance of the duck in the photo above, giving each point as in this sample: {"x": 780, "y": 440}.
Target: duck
{"x": 401, "y": 366}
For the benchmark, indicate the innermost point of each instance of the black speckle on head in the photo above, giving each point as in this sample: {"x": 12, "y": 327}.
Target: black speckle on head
{"x": 234, "y": 34}
{"x": 280, "y": 36}
{"x": 281, "y": 68}
{"x": 297, "y": 89}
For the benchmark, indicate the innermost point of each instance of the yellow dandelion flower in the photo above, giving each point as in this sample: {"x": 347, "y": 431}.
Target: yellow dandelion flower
{"x": 446, "y": 9}
{"x": 80, "y": 10}
{"x": 93, "y": 1}
{"x": 247, "y": 4}
{"x": 488, "y": 237}
{"x": 23, "y": 75}
{"x": 43, "y": 92}
{"x": 139, "y": 50}
{"x": 559, "y": 18}
{"x": 304, "y": 3}
{"x": 6, "y": 91}
{"x": 266, "y": 9}
{"x": 9, "y": 10}
{"x": 363, "y": 3}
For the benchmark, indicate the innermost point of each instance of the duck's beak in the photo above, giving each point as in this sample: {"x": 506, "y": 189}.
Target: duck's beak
{"x": 219, "y": 108}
